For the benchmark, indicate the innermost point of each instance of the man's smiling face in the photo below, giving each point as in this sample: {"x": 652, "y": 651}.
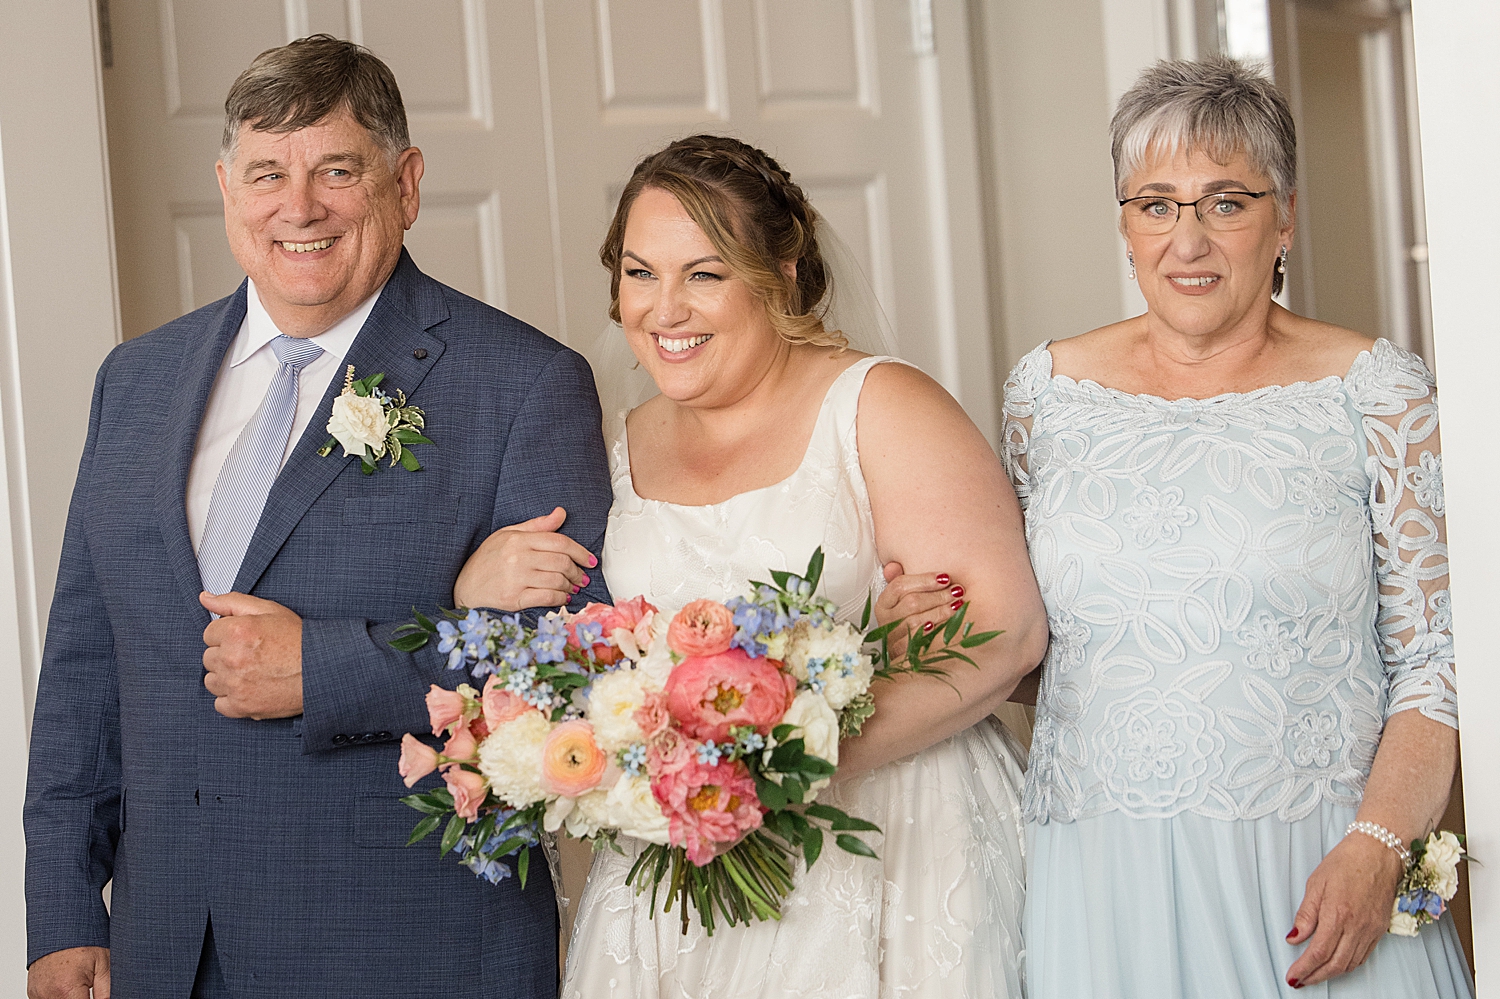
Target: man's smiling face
{"x": 316, "y": 216}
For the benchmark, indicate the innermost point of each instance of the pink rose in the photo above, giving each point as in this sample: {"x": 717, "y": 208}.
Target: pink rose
{"x": 652, "y": 716}
{"x": 500, "y": 705}
{"x": 417, "y": 759}
{"x": 469, "y": 791}
{"x": 702, "y": 628}
{"x": 444, "y": 708}
{"x": 707, "y": 695}
{"x": 572, "y": 763}
{"x": 461, "y": 747}
{"x": 670, "y": 750}
{"x": 707, "y": 807}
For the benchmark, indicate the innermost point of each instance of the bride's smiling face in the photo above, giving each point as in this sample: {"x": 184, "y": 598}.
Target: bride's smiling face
{"x": 698, "y": 329}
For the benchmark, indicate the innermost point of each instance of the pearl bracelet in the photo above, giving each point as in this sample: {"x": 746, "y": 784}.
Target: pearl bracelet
{"x": 1383, "y": 834}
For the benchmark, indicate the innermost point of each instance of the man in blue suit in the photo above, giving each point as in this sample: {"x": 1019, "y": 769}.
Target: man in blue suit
{"x": 229, "y": 760}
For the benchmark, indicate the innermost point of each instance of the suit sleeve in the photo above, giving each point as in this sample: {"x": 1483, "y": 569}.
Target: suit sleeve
{"x": 72, "y": 809}
{"x": 356, "y": 688}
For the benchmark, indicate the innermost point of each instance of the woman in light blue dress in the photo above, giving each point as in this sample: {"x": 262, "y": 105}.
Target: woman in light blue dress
{"x": 1236, "y": 519}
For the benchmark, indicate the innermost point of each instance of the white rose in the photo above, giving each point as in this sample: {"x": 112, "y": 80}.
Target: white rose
{"x": 510, "y": 758}
{"x": 1441, "y": 861}
{"x": 846, "y": 671}
{"x": 358, "y": 421}
{"x": 613, "y": 700}
{"x": 817, "y": 726}
{"x": 633, "y": 810}
{"x": 1403, "y": 924}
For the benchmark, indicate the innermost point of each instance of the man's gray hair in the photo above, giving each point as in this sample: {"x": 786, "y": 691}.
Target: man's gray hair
{"x": 1218, "y": 106}
{"x": 302, "y": 83}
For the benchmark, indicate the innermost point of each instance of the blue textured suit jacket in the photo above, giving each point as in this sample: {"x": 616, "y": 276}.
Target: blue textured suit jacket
{"x": 289, "y": 833}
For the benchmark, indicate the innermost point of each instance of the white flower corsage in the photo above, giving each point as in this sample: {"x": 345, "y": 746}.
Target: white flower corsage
{"x": 1430, "y": 882}
{"x": 372, "y": 424}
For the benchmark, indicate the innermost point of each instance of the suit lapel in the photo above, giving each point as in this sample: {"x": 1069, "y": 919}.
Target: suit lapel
{"x": 200, "y": 368}
{"x": 389, "y": 341}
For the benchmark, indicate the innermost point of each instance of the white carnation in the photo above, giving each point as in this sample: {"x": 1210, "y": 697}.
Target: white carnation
{"x": 359, "y": 421}
{"x": 829, "y": 660}
{"x": 1403, "y": 924}
{"x": 510, "y": 758}
{"x": 633, "y": 810}
{"x": 817, "y": 726}
{"x": 613, "y": 700}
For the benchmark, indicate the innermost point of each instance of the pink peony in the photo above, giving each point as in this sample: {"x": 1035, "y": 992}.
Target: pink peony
{"x": 500, "y": 705}
{"x": 462, "y": 746}
{"x": 702, "y": 628}
{"x": 707, "y": 695}
{"x": 572, "y": 763}
{"x": 469, "y": 790}
{"x": 417, "y": 759}
{"x": 707, "y": 807}
{"x": 444, "y": 708}
{"x": 652, "y": 716}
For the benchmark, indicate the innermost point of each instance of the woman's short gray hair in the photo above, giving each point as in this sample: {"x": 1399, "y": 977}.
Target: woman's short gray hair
{"x": 1218, "y": 106}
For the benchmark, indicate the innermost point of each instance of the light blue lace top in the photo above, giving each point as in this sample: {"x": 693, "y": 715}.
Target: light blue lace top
{"x": 1240, "y": 589}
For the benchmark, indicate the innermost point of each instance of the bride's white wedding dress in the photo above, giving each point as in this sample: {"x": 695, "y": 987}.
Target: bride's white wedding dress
{"x": 938, "y": 915}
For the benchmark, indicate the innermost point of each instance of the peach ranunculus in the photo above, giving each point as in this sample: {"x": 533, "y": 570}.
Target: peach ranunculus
{"x": 707, "y": 807}
{"x": 652, "y": 716}
{"x": 468, "y": 789}
{"x": 444, "y": 708}
{"x": 462, "y": 747}
{"x": 572, "y": 763}
{"x": 500, "y": 705}
{"x": 708, "y": 695}
{"x": 702, "y": 628}
{"x": 417, "y": 759}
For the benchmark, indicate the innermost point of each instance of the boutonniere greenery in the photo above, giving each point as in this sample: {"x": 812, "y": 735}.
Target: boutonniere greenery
{"x": 373, "y": 424}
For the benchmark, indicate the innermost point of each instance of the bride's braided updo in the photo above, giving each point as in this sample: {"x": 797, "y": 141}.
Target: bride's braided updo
{"x": 755, "y": 217}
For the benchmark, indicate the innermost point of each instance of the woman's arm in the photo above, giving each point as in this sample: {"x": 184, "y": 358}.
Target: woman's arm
{"x": 941, "y": 503}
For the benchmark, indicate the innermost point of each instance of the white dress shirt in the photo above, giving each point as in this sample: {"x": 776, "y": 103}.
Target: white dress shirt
{"x": 249, "y": 365}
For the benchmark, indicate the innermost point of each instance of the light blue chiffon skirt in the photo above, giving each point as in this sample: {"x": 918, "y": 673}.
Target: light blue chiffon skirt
{"x": 1198, "y": 908}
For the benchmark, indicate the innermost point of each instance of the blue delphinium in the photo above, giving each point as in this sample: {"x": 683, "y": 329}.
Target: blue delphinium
{"x": 550, "y": 641}
{"x": 1421, "y": 900}
{"x": 450, "y": 643}
{"x": 756, "y": 620}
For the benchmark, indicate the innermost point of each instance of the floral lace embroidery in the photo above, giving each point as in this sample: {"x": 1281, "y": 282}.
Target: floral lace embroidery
{"x": 1211, "y": 568}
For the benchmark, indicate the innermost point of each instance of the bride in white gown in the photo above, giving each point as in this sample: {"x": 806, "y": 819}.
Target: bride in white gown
{"x": 767, "y": 441}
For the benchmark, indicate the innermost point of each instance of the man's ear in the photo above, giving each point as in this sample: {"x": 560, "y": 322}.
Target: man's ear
{"x": 409, "y": 169}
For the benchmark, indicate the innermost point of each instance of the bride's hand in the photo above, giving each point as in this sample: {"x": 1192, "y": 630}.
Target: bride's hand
{"x": 922, "y": 601}
{"x": 525, "y": 565}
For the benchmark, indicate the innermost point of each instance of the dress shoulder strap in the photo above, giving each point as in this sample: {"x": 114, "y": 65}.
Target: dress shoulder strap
{"x": 841, "y": 407}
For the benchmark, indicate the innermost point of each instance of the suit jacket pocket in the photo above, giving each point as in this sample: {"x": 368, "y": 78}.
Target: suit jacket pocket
{"x": 381, "y": 822}
{"x": 400, "y": 508}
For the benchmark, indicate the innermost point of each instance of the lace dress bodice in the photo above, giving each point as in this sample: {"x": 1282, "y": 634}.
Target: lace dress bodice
{"x": 1240, "y": 589}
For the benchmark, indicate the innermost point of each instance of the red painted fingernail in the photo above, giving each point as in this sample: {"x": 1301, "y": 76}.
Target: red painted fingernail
{"x": 942, "y": 579}
{"x": 585, "y": 579}
{"x": 593, "y": 561}
{"x": 956, "y": 605}
{"x": 927, "y": 628}
{"x": 957, "y": 592}
{"x": 1292, "y": 933}
{"x": 575, "y": 589}
{"x": 1294, "y": 983}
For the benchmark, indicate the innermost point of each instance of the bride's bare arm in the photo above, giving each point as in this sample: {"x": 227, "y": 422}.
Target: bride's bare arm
{"x": 942, "y": 503}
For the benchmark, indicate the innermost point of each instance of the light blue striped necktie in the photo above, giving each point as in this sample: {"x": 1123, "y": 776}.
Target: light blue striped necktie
{"x": 244, "y": 482}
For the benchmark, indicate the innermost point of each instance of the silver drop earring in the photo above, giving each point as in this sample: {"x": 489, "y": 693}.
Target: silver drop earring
{"x": 1281, "y": 262}
{"x": 1130, "y": 256}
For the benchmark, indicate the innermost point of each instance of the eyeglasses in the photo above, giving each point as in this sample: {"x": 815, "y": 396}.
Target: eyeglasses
{"x": 1225, "y": 211}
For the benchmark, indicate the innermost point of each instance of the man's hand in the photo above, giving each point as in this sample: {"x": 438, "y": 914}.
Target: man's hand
{"x": 69, "y": 974}
{"x": 254, "y": 657}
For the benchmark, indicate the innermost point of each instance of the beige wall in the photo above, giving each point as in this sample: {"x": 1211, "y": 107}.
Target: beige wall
{"x": 1044, "y": 110}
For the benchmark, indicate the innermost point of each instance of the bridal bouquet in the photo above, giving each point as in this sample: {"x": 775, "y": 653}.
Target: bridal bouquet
{"x": 706, "y": 737}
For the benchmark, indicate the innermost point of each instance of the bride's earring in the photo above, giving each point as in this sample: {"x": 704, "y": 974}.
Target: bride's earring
{"x": 1130, "y": 256}
{"x": 1281, "y": 262}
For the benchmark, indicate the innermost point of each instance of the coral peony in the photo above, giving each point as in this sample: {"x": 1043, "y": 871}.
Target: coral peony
{"x": 572, "y": 762}
{"x": 468, "y": 789}
{"x": 444, "y": 708}
{"x": 417, "y": 759}
{"x": 707, "y": 695}
{"x": 500, "y": 705}
{"x": 707, "y": 806}
{"x": 702, "y": 628}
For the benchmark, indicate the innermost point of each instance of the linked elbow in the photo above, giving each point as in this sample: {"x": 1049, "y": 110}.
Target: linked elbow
{"x": 1031, "y": 645}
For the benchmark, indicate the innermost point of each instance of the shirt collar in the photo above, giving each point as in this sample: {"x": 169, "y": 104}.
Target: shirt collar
{"x": 259, "y": 330}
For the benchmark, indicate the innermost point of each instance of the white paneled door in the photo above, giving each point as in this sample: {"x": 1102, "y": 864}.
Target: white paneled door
{"x": 531, "y": 114}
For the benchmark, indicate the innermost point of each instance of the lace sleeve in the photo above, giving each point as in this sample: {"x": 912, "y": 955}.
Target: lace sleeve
{"x": 1026, "y": 382}
{"x": 1405, "y": 467}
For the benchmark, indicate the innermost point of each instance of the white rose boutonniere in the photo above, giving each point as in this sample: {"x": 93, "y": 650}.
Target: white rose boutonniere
{"x": 370, "y": 423}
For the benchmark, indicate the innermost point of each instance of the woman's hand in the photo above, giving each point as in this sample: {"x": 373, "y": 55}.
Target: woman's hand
{"x": 525, "y": 565}
{"x": 1346, "y": 909}
{"x": 922, "y": 601}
